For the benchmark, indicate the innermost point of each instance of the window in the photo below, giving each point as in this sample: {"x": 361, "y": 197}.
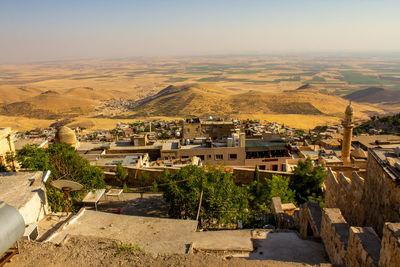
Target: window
{"x": 209, "y": 156}
{"x": 262, "y": 167}
{"x": 185, "y": 157}
{"x": 232, "y": 156}
{"x": 275, "y": 167}
{"x": 219, "y": 157}
{"x": 188, "y": 130}
{"x": 200, "y": 156}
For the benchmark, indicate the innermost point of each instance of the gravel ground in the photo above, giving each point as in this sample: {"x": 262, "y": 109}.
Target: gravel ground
{"x": 92, "y": 251}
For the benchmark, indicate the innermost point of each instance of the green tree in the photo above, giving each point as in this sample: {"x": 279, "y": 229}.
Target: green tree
{"x": 307, "y": 181}
{"x": 278, "y": 186}
{"x": 223, "y": 202}
{"x": 64, "y": 163}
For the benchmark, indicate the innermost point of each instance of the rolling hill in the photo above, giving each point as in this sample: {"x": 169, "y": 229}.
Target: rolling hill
{"x": 49, "y": 105}
{"x": 375, "y": 95}
{"x": 208, "y": 99}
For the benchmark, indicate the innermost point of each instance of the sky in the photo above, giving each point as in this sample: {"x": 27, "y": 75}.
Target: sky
{"x": 44, "y": 30}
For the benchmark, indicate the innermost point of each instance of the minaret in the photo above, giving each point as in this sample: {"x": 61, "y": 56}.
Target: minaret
{"x": 347, "y": 134}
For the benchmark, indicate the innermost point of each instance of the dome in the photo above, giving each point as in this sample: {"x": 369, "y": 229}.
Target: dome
{"x": 349, "y": 109}
{"x": 66, "y": 135}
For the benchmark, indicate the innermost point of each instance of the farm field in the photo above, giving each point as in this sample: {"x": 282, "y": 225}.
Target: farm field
{"x": 85, "y": 90}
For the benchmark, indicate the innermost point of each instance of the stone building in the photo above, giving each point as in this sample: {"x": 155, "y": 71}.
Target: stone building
{"x": 191, "y": 129}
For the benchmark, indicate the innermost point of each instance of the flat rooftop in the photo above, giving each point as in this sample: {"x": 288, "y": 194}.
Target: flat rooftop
{"x": 386, "y": 157}
{"x": 369, "y": 141}
{"x": 157, "y": 235}
{"x": 17, "y": 188}
{"x": 20, "y": 143}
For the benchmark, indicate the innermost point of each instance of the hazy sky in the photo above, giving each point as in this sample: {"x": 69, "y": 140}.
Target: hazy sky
{"x": 47, "y": 30}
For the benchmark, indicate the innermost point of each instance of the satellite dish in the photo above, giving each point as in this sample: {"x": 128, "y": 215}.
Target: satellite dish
{"x": 66, "y": 186}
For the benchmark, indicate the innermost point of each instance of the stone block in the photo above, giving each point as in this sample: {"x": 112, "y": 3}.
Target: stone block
{"x": 390, "y": 246}
{"x": 335, "y": 235}
{"x": 363, "y": 248}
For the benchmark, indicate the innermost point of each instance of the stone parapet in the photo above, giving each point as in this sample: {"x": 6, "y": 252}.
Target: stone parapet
{"x": 390, "y": 250}
{"x": 345, "y": 192}
{"x": 310, "y": 220}
{"x": 363, "y": 247}
{"x": 335, "y": 235}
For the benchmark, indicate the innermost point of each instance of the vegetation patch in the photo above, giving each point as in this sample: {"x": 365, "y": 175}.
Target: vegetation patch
{"x": 123, "y": 248}
{"x": 354, "y": 77}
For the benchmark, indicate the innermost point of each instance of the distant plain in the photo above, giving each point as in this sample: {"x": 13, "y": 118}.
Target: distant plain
{"x": 41, "y": 93}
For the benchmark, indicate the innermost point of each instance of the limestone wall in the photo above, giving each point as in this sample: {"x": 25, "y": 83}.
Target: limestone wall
{"x": 246, "y": 176}
{"x": 138, "y": 176}
{"x": 363, "y": 247}
{"x": 390, "y": 251}
{"x": 350, "y": 246}
{"x": 335, "y": 235}
{"x": 282, "y": 219}
{"x": 310, "y": 220}
{"x": 381, "y": 196}
{"x": 345, "y": 193}
{"x": 370, "y": 202}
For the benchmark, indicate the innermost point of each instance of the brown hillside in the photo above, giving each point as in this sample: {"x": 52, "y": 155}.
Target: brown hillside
{"x": 375, "y": 95}
{"x": 13, "y": 94}
{"x": 186, "y": 99}
{"x": 49, "y": 105}
{"x": 90, "y": 93}
{"x": 208, "y": 99}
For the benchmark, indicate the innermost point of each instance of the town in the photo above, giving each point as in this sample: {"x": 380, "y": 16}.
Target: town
{"x": 135, "y": 157}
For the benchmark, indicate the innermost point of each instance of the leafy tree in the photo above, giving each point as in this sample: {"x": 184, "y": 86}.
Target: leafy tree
{"x": 64, "y": 163}
{"x": 307, "y": 180}
{"x": 223, "y": 202}
{"x": 278, "y": 186}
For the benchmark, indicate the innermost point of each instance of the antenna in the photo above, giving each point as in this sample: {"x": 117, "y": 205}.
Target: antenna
{"x": 66, "y": 186}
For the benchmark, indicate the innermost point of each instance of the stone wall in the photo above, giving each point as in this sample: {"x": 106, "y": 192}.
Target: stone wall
{"x": 381, "y": 196}
{"x": 390, "y": 251}
{"x": 363, "y": 247}
{"x": 345, "y": 193}
{"x": 365, "y": 202}
{"x": 335, "y": 235}
{"x": 246, "y": 176}
{"x": 138, "y": 176}
{"x": 350, "y": 246}
{"x": 282, "y": 219}
{"x": 310, "y": 220}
